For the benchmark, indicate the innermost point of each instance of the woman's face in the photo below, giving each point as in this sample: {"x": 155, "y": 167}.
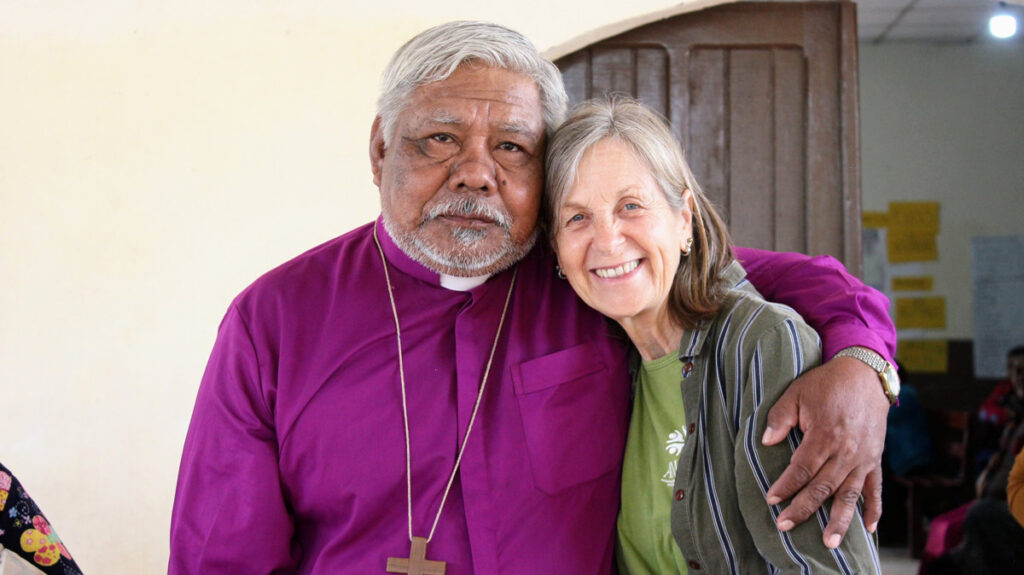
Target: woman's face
{"x": 617, "y": 238}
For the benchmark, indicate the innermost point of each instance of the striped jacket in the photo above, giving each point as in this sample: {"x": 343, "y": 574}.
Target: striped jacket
{"x": 734, "y": 369}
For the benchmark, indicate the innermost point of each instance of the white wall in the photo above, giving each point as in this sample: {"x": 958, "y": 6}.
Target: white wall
{"x": 946, "y": 124}
{"x": 154, "y": 159}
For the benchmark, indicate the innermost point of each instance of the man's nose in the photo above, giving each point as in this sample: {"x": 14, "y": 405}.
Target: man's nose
{"x": 474, "y": 169}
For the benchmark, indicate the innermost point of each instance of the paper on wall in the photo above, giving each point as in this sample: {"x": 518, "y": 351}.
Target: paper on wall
{"x": 924, "y": 355}
{"x": 997, "y": 271}
{"x": 921, "y": 312}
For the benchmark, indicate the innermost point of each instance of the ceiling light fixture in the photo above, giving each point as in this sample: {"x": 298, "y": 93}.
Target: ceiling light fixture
{"x": 1002, "y": 24}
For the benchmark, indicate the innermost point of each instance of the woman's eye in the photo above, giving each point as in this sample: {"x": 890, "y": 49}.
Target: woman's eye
{"x": 631, "y": 206}
{"x": 576, "y": 218}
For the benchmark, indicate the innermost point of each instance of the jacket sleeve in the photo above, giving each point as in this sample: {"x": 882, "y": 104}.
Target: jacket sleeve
{"x": 229, "y": 512}
{"x": 839, "y": 306}
{"x": 1015, "y": 488}
{"x": 780, "y": 356}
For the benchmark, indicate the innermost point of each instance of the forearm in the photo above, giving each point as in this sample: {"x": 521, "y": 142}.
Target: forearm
{"x": 840, "y": 307}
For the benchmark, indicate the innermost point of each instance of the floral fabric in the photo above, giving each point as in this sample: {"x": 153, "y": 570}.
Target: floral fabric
{"x": 24, "y": 530}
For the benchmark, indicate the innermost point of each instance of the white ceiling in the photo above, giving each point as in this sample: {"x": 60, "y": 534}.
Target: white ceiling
{"x": 944, "y": 21}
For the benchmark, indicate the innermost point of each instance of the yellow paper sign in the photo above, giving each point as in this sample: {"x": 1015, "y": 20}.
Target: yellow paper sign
{"x": 875, "y": 219}
{"x": 912, "y": 283}
{"x": 920, "y": 216}
{"x": 924, "y": 356}
{"x": 921, "y": 312}
{"x": 911, "y": 246}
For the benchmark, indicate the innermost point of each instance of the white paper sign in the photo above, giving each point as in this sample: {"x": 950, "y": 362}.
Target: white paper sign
{"x": 997, "y": 269}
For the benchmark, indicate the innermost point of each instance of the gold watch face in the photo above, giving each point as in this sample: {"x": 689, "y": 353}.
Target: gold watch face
{"x": 891, "y": 381}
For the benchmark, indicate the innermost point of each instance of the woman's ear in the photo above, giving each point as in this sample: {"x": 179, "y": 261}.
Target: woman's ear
{"x": 687, "y": 213}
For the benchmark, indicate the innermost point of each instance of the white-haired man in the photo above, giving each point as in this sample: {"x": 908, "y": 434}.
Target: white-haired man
{"x": 428, "y": 378}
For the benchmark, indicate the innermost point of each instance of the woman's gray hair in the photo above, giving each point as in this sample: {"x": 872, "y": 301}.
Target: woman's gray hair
{"x": 697, "y": 293}
{"x": 435, "y": 54}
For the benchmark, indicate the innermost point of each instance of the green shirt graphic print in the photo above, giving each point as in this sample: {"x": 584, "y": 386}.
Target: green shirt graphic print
{"x": 657, "y": 433}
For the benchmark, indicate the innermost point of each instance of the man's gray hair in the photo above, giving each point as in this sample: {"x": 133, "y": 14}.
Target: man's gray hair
{"x": 435, "y": 54}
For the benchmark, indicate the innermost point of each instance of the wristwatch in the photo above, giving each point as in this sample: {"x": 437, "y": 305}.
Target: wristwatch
{"x": 886, "y": 372}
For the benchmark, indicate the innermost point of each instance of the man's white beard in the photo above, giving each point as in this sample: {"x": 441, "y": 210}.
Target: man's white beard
{"x": 464, "y": 259}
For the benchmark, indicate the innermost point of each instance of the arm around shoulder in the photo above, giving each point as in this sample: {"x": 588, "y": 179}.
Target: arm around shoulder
{"x": 844, "y": 310}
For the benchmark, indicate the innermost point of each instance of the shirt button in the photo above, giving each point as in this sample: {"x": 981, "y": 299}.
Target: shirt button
{"x": 679, "y": 495}
{"x": 692, "y": 428}
{"x": 694, "y": 565}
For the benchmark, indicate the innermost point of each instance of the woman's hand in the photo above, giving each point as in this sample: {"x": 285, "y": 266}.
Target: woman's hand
{"x": 841, "y": 409}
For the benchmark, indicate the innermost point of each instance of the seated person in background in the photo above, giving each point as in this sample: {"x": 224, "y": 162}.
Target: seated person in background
{"x": 993, "y": 541}
{"x": 992, "y": 481}
{"x": 25, "y": 531}
{"x": 640, "y": 243}
{"x": 1003, "y": 405}
{"x": 908, "y": 444}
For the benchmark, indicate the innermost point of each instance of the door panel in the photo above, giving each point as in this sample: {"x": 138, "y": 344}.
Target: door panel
{"x": 763, "y": 97}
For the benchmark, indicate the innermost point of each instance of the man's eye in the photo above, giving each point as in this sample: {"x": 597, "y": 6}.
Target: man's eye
{"x": 442, "y": 138}
{"x": 510, "y": 147}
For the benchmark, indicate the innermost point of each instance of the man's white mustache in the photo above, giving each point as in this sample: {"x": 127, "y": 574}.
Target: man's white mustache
{"x": 468, "y": 208}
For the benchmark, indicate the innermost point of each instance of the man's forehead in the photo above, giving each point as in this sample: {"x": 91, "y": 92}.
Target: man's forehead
{"x": 505, "y": 122}
{"x": 470, "y": 90}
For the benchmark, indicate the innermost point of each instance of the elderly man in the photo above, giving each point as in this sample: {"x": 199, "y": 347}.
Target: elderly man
{"x": 428, "y": 378}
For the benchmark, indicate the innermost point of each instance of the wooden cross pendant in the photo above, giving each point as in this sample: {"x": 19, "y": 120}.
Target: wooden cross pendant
{"x": 417, "y": 563}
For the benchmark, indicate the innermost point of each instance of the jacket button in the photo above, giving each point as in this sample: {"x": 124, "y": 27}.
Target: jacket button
{"x": 679, "y": 495}
{"x": 687, "y": 369}
{"x": 694, "y": 565}
{"x": 691, "y": 429}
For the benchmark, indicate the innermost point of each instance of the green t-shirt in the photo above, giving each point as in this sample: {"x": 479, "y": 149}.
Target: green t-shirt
{"x": 657, "y": 432}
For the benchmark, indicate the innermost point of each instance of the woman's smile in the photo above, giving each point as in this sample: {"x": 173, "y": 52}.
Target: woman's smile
{"x": 616, "y": 272}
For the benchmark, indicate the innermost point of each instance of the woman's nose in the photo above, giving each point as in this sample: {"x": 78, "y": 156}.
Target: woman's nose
{"x": 607, "y": 235}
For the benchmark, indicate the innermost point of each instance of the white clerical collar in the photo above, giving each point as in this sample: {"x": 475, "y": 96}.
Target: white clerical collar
{"x": 460, "y": 283}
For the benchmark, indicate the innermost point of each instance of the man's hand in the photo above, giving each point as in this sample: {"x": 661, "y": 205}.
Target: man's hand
{"x": 841, "y": 409}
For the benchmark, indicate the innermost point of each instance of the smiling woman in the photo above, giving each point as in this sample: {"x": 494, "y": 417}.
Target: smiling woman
{"x": 615, "y": 167}
{"x": 640, "y": 243}
{"x": 619, "y": 239}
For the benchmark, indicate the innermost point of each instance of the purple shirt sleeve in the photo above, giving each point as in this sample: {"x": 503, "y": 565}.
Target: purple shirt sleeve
{"x": 839, "y": 306}
{"x": 229, "y": 513}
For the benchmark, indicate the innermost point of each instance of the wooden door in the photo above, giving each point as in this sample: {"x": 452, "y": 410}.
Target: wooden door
{"x": 764, "y": 98}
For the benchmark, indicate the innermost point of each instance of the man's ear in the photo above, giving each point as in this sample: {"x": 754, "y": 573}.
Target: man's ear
{"x": 377, "y": 150}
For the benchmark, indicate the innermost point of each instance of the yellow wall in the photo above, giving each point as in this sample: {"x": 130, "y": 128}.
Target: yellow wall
{"x": 154, "y": 159}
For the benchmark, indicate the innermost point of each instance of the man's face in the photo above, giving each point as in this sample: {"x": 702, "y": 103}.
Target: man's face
{"x": 460, "y": 182}
{"x": 1015, "y": 367}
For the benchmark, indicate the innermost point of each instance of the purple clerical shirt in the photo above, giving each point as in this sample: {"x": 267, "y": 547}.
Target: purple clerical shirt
{"x": 295, "y": 458}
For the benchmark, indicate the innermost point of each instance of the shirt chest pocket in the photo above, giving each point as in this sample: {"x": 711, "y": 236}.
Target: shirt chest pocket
{"x": 574, "y": 406}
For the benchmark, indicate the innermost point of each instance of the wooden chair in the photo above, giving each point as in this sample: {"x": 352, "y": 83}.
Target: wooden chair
{"x": 948, "y": 483}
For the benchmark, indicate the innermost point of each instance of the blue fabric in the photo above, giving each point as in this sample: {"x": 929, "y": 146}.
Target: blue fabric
{"x": 908, "y": 445}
